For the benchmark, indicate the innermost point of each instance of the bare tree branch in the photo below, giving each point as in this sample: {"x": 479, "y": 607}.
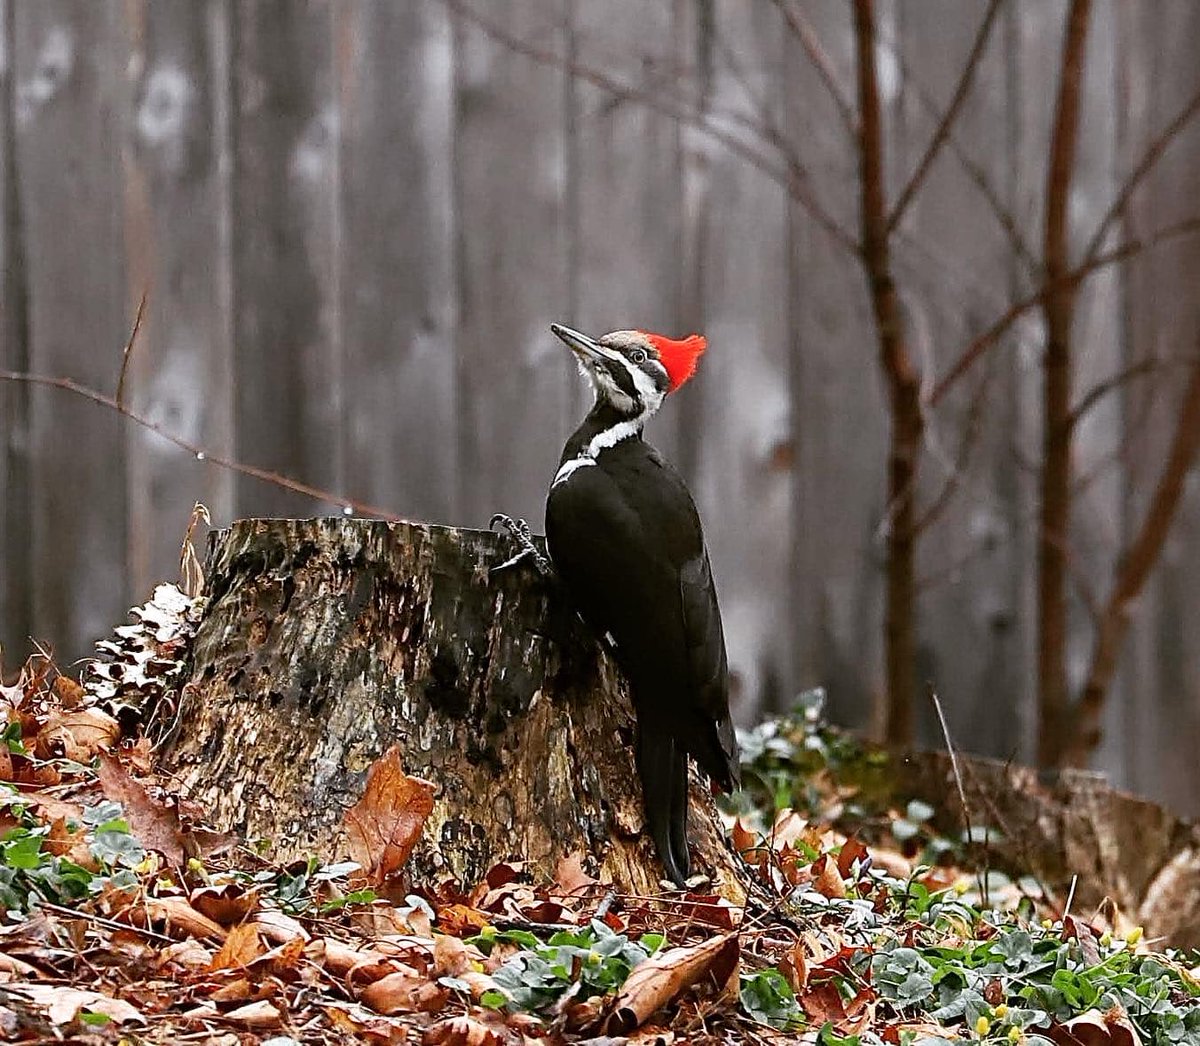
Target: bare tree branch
{"x": 977, "y": 176}
{"x": 956, "y": 469}
{"x": 266, "y": 475}
{"x": 1135, "y": 568}
{"x": 947, "y": 121}
{"x": 1154, "y": 151}
{"x": 803, "y": 31}
{"x": 904, "y": 390}
{"x": 793, "y": 176}
{"x": 1141, "y": 369}
{"x": 1058, "y": 308}
{"x": 980, "y": 345}
{"x": 127, "y": 354}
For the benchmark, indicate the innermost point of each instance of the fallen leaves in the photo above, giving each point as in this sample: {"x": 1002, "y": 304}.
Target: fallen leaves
{"x": 384, "y": 825}
{"x": 664, "y": 977}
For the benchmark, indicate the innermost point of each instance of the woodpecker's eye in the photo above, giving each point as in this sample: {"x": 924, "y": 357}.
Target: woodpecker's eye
{"x": 638, "y": 356}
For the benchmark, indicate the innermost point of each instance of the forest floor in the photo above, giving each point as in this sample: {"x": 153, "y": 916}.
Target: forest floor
{"x": 125, "y": 920}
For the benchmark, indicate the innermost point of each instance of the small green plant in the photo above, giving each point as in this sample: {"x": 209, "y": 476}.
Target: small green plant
{"x": 593, "y": 960}
{"x": 30, "y": 872}
{"x": 767, "y": 997}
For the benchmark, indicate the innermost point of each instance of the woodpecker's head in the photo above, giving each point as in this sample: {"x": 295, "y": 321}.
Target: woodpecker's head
{"x": 633, "y": 371}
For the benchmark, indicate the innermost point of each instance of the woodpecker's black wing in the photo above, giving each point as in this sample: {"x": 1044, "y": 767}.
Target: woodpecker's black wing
{"x": 626, "y": 539}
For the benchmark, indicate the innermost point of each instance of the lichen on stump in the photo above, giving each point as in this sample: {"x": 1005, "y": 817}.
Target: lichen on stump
{"x": 325, "y": 642}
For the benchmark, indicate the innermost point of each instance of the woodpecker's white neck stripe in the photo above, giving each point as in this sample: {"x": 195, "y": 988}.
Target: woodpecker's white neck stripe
{"x": 610, "y": 437}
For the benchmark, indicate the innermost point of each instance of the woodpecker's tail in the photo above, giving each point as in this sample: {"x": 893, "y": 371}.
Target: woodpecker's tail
{"x": 662, "y": 766}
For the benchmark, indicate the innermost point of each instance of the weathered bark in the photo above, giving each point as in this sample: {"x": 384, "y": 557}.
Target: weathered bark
{"x": 326, "y": 642}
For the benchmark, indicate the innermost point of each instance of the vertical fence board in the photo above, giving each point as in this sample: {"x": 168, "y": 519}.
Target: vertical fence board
{"x": 839, "y": 415}
{"x": 956, "y": 278}
{"x": 16, "y": 581}
{"x": 1153, "y": 721}
{"x": 69, "y": 64}
{"x": 177, "y": 233}
{"x": 287, "y": 366}
{"x": 395, "y": 72}
{"x": 742, "y": 479}
{"x": 627, "y": 249}
{"x": 511, "y": 176}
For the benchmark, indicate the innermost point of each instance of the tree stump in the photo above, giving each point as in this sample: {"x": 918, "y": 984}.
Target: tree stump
{"x": 325, "y": 642}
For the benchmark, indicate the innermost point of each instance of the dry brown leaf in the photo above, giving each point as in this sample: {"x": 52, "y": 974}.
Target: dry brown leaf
{"x": 383, "y": 826}
{"x": 570, "y": 876}
{"x": 77, "y": 735}
{"x": 794, "y": 967}
{"x": 461, "y": 920}
{"x": 6, "y": 764}
{"x": 241, "y": 948}
{"x": 405, "y": 991}
{"x": 852, "y": 850}
{"x": 155, "y": 825}
{"x": 189, "y": 954}
{"x": 63, "y": 1005}
{"x": 364, "y": 1025}
{"x": 450, "y": 957}
{"x": 826, "y": 880}
{"x": 278, "y": 927}
{"x": 235, "y": 991}
{"x": 1094, "y": 1028}
{"x": 261, "y": 1014}
{"x": 180, "y": 917}
{"x": 226, "y": 903}
{"x": 69, "y": 693}
{"x": 663, "y": 977}
{"x": 461, "y": 1031}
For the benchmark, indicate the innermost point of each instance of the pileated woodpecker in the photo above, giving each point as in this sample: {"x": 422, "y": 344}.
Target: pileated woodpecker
{"x": 625, "y": 537}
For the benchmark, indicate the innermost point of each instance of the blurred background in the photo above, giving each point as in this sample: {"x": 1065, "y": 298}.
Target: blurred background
{"x": 354, "y": 221}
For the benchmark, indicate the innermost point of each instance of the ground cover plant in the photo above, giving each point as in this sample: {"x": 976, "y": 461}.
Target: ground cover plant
{"x": 126, "y": 919}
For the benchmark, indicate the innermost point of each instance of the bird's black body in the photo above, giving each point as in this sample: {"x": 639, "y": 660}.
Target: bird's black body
{"x": 625, "y": 538}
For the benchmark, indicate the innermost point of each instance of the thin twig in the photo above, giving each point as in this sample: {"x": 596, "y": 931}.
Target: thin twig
{"x": 100, "y": 920}
{"x": 792, "y": 176}
{"x": 1111, "y": 384}
{"x": 803, "y": 31}
{"x": 947, "y": 121}
{"x": 956, "y": 469}
{"x": 200, "y": 453}
{"x": 137, "y": 326}
{"x": 958, "y": 781}
{"x": 980, "y": 345}
{"x": 1137, "y": 563}
{"x": 1154, "y": 151}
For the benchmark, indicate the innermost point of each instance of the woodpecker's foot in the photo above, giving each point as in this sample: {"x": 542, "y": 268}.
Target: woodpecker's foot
{"x": 522, "y": 535}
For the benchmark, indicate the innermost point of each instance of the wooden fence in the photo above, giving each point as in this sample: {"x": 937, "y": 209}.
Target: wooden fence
{"x": 355, "y": 220}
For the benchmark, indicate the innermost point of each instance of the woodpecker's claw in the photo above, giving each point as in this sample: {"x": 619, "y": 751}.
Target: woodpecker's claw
{"x": 523, "y": 536}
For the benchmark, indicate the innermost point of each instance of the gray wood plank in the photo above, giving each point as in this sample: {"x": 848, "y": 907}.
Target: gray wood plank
{"x": 16, "y": 520}
{"x": 626, "y": 246}
{"x": 1153, "y": 725}
{"x": 68, "y": 61}
{"x": 510, "y": 176}
{"x": 838, "y": 417}
{"x": 740, "y": 478}
{"x": 179, "y": 233}
{"x": 395, "y": 80}
{"x": 286, "y": 153}
{"x": 958, "y": 275}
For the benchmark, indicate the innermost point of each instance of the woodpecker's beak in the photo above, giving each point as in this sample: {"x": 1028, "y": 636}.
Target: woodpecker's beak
{"x": 584, "y": 347}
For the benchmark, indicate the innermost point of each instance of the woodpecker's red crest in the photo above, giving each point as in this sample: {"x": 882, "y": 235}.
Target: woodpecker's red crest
{"x": 679, "y": 357}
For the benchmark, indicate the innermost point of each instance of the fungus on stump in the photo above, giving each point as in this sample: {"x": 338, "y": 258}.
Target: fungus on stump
{"x": 327, "y": 641}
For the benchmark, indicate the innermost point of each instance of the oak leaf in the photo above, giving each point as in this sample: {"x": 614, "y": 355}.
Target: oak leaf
{"x": 383, "y": 826}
